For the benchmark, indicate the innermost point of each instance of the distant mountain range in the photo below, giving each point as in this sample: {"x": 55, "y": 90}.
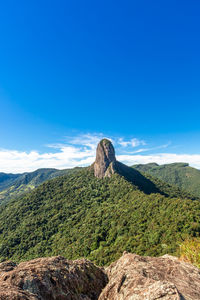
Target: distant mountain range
{"x": 179, "y": 174}
{"x": 14, "y": 185}
{"x": 176, "y": 174}
{"x": 97, "y": 212}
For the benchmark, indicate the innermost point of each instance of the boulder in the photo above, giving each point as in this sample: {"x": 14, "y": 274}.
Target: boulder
{"x": 134, "y": 277}
{"x": 51, "y": 278}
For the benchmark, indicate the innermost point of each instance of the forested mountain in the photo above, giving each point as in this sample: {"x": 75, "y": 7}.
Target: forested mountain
{"x": 80, "y": 214}
{"x": 13, "y": 185}
{"x": 177, "y": 174}
{"x": 180, "y": 174}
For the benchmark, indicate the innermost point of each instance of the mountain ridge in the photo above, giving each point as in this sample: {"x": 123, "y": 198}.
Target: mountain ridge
{"x": 180, "y": 174}
{"x": 14, "y": 185}
{"x": 176, "y": 174}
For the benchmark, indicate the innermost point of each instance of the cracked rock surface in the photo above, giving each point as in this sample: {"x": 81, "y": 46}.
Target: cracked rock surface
{"x": 132, "y": 277}
{"x": 51, "y": 278}
{"x": 135, "y": 277}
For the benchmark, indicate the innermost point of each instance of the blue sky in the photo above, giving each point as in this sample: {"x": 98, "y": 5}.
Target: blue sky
{"x": 77, "y": 70}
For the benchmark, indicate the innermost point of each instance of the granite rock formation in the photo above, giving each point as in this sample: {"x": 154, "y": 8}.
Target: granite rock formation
{"x": 104, "y": 165}
{"x": 53, "y": 278}
{"x": 132, "y": 277}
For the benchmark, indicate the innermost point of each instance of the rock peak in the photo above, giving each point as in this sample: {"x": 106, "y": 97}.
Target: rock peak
{"x": 104, "y": 165}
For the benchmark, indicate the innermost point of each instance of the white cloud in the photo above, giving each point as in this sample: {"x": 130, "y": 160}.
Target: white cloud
{"x": 65, "y": 157}
{"x": 88, "y": 140}
{"x": 76, "y": 151}
{"x": 132, "y": 142}
{"x": 150, "y": 149}
{"x": 80, "y": 151}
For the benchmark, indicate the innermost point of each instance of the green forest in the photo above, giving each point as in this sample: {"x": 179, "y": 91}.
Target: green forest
{"x": 79, "y": 215}
{"x": 179, "y": 174}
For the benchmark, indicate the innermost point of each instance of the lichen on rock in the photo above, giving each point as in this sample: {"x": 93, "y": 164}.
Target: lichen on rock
{"x": 51, "y": 278}
{"x": 135, "y": 277}
{"x": 131, "y": 277}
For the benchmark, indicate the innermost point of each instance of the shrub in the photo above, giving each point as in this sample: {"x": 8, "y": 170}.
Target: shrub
{"x": 190, "y": 251}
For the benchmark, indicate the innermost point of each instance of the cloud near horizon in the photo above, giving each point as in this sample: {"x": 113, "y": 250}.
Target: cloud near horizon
{"x": 80, "y": 151}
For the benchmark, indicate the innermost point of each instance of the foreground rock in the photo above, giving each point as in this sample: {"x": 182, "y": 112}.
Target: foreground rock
{"x": 51, "y": 278}
{"x": 135, "y": 277}
{"x": 132, "y": 277}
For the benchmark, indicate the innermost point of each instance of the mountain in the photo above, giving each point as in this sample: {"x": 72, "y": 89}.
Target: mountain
{"x": 179, "y": 174}
{"x": 80, "y": 214}
{"x": 13, "y": 185}
{"x": 106, "y": 165}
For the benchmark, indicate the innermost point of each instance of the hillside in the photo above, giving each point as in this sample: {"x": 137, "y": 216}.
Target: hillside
{"x": 98, "y": 212}
{"x": 80, "y": 215}
{"x": 180, "y": 174}
{"x": 14, "y": 185}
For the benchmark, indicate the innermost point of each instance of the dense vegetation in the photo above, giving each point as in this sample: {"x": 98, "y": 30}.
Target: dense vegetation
{"x": 13, "y": 185}
{"x": 180, "y": 174}
{"x": 79, "y": 215}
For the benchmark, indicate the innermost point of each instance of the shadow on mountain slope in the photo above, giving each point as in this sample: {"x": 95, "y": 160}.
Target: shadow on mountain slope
{"x": 136, "y": 178}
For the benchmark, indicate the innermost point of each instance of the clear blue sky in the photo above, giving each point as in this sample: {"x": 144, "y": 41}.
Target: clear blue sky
{"x": 121, "y": 68}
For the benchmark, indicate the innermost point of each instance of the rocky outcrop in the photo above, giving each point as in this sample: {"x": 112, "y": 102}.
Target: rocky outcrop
{"x": 51, "y": 278}
{"x": 132, "y": 277}
{"x": 104, "y": 165}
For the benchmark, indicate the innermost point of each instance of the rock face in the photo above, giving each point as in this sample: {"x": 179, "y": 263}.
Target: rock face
{"x": 132, "y": 277}
{"x": 104, "y": 165}
{"x": 51, "y": 278}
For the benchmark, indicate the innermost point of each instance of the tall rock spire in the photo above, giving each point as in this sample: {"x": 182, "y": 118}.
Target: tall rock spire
{"x": 104, "y": 165}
